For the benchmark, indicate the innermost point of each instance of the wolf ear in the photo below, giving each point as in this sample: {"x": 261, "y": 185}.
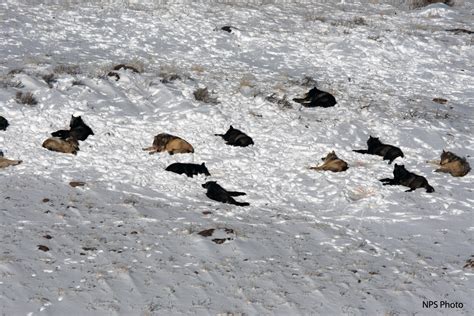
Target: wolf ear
{"x": 203, "y": 164}
{"x": 231, "y": 127}
{"x": 332, "y": 152}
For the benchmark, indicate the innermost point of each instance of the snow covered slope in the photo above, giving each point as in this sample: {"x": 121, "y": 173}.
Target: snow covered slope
{"x": 128, "y": 242}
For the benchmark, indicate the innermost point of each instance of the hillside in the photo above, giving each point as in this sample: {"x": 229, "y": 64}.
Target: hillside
{"x": 128, "y": 242}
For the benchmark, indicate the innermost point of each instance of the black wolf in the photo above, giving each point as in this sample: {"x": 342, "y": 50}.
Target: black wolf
{"x": 190, "y": 169}
{"x": 316, "y": 97}
{"x": 3, "y": 123}
{"x": 236, "y": 137}
{"x": 388, "y": 152}
{"x": 402, "y": 176}
{"x": 77, "y": 130}
{"x": 217, "y": 193}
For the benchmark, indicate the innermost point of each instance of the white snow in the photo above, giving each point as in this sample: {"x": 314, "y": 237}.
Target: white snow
{"x": 127, "y": 242}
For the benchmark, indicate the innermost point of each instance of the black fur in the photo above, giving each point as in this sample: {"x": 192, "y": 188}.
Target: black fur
{"x": 77, "y": 130}
{"x": 3, "y": 123}
{"x": 217, "y": 193}
{"x": 227, "y": 28}
{"x": 236, "y": 137}
{"x": 190, "y": 169}
{"x": 61, "y": 134}
{"x": 316, "y": 97}
{"x": 402, "y": 176}
{"x": 388, "y": 152}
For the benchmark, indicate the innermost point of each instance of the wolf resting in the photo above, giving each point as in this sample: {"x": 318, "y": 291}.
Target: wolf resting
{"x": 170, "y": 143}
{"x": 236, "y": 137}
{"x": 376, "y": 147}
{"x": 217, "y": 193}
{"x": 402, "y": 176}
{"x": 453, "y": 164}
{"x": 68, "y": 146}
{"x": 77, "y": 130}
{"x": 189, "y": 169}
{"x": 316, "y": 97}
{"x": 332, "y": 163}
{"x": 4, "y": 162}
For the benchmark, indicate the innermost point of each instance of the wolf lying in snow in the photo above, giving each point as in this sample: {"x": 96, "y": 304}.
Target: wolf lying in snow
{"x": 77, "y": 130}
{"x": 453, "y": 164}
{"x": 3, "y": 123}
{"x": 376, "y": 147}
{"x": 217, "y": 193}
{"x": 170, "y": 143}
{"x": 236, "y": 137}
{"x": 316, "y": 97}
{"x": 189, "y": 169}
{"x": 68, "y": 146}
{"x": 4, "y": 162}
{"x": 332, "y": 163}
{"x": 402, "y": 176}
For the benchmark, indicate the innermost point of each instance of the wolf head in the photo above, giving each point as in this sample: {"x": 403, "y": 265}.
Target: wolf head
{"x": 373, "y": 141}
{"x": 331, "y": 156}
{"x": 208, "y": 184}
{"x": 204, "y": 169}
{"x": 399, "y": 171}
{"x": 448, "y": 156}
{"x": 76, "y": 121}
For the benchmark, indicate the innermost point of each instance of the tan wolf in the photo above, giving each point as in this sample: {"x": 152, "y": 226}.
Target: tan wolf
{"x": 4, "y": 162}
{"x": 332, "y": 163}
{"x": 170, "y": 143}
{"x": 68, "y": 146}
{"x": 453, "y": 164}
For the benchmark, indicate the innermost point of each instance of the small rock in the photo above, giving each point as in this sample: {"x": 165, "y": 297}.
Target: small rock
{"x": 440, "y": 100}
{"x": 207, "y": 232}
{"x": 77, "y": 184}
{"x": 43, "y": 248}
{"x": 219, "y": 241}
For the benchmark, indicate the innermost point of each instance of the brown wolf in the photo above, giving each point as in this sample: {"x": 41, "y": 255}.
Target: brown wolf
{"x": 453, "y": 164}
{"x": 332, "y": 163}
{"x": 170, "y": 143}
{"x": 4, "y": 162}
{"x": 68, "y": 146}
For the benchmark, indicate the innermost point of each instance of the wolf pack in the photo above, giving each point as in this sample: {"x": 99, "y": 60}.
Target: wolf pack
{"x": 67, "y": 141}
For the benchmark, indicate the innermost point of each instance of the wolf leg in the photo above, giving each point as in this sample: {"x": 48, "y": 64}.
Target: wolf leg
{"x": 390, "y": 158}
{"x": 388, "y": 181}
{"x": 236, "y": 193}
{"x": 239, "y": 203}
{"x": 361, "y": 151}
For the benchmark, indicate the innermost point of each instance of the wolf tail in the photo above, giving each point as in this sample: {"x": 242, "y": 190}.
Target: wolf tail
{"x": 361, "y": 151}
{"x": 240, "y": 203}
{"x": 221, "y": 135}
{"x": 429, "y": 188}
{"x": 299, "y": 100}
